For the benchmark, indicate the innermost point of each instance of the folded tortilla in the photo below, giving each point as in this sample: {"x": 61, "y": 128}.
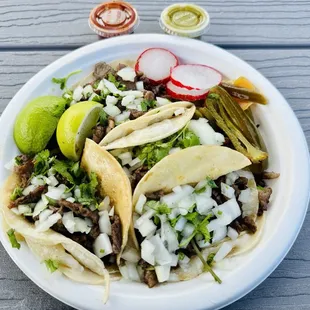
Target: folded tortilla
{"x": 190, "y": 166}
{"x": 75, "y": 261}
{"x": 155, "y": 125}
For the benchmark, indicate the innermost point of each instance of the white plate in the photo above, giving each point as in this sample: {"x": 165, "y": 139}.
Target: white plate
{"x": 288, "y": 155}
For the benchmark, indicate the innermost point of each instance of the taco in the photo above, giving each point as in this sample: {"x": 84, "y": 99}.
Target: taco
{"x": 74, "y": 216}
{"x": 191, "y": 210}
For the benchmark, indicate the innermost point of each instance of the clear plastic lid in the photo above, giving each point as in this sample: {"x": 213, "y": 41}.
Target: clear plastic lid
{"x": 184, "y": 19}
{"x": 113, "y": 18}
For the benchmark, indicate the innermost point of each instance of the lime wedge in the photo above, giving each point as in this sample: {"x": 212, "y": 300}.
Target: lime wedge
{"x": 75, "y": 125}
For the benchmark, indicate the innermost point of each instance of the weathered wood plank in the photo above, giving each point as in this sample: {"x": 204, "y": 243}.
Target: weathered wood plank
{"x": 56, "y": 22}
{"x": 287, "y": 288}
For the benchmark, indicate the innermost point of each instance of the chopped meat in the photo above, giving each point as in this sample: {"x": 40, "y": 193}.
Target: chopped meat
{"x": 120, "y": 106}
{"x": 159, "y": 90}
{"x": 137, "y": 175}
{"x": 98, "y": 133}
{"x": 135, "y": 114}
{"x": 32, "y": 197}
{"x": 79, "y": 210}
{"x": 263, "y": 197}
{"x": 83, "y": 240}
{"x": 217, "y": 196}
{"x": 237, "y": 190}
{"x": 120, "y": 66}
{"x": 149, "y": 95}
{"x": 24, "y": 170}
{"x": 116, "y": 234}
{"x": 237, "y": 225}
{"x": 241, "y": 182}
{"x": 102, "y": 70}
{"x": 150, "y": 278}
{"x": 155, "y": 195}
{"x": 250, "y": 224}
{"x": 62, "y": 180}
{"x": 128, "y": 84}
{"x": 270, "y": 175}
{"x": 149, "y": 275}
{"x": 111, "y": 125}
{"x": 95, "y": 231}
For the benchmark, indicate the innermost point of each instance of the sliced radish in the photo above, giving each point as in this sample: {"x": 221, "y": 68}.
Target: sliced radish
{"x": 182, "y": 93}
{"x": 156, "y": 64}
{"x": 197, "y": 77}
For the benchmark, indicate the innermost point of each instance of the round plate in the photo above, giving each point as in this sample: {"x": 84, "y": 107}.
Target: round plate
{"x": 288, "y": 155}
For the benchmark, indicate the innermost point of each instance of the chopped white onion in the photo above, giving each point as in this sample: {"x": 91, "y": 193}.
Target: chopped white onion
{"x": 173, "y": 198}
{"x": 122, "y": 117}
{"x": 203, "y": 184}
{"x": 81, "y": 225}
{"x": 174, "y": 260}
{"x": 204, "y": 204}
{"x": 203, "y": 244}
{"x": 112, "y": 110}
{"x": 127, "y": 74}
{"x": 72, "y": 102}
{"x": 188, "y": 230}
{"x": 105, "y": 204}
{"x": 126, "y": 170}
{"x": 147, "y": 250}
{"x": 111, "y": 87}
{"x": 102, "y": 246}
{"x": 124, "y": 271}
{"x": 44, "y": 215}
{"x": 111, "y": 100}
{"x": 131, "y": 255}
{"x": 162, "y": 273}
{"x": 135, "y": 93}
{"x": 40, "y": 206}
{"x": 24, "y": 209}
{"x": 223, "y": 251}
{"x": 219, "y": 138}
{"x": 227, "y": 191}
{"x": 126, "y": 158}
{"x": 185, "y": 260}
{"x": 49, "y": 222}
{"x": 93, "y": 96}
{"x": 140, "y": 204}
{"x": 162, "y": 101}
{"x": 128, "y": 100}
{"x": 205, "y": 132}
{"x": 78, "y": 93}
{"x": 100, "y": 85}
{"x": 140, "y": 85}
{"x": 104, "y": 223}
{"x": 147, "y": 227}
{"x": 87, "y": 91}
{"x": 132, "y": 107}
{"x": 68, "y": 221}
{"x": 52, "y": 180}
{"x": 71, "y": 199}
{"x": 179, "y": 111}
{"x": 15, "y": 210}
{"x": 162, "y": 256}
{"x": 246, "y": 174}
{"x": 179, "y": 226}
{"x": 37, "y": 180}
{"x": 231, "y": 178}
{"x": 29, "y": 189}
{"x": 174, "y": 150}
{"x": 228, "y": 211}
{"x": 219, "y": 234}
{"x": 133, "y": 274}
{"x": 135, "y": 161}
{"x": 186, "y": 203}
{"x": 215, "y": 224}
{"x": 10, "y": 165}
{"x": 170, "y": 236}
{"x": 232, "y": 233}
{"x": 77, "y": 193}
{"x": 55, "y": 192}
{"x": 245, "y": 195}
{"x": 111, "y": 213}
{"x": 174, "y": 213}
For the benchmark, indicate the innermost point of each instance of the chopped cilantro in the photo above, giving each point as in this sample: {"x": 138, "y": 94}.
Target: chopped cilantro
{"x": 103, "y": 118}
{"x": 96, "y": 84}
{"x": 12, "y": 238}
{"x": 181, "y": 255}
{"x": 188, "y": 139}
{"x": 260, "y": 187}
{"x": 210, "y": 258}
{"x": 209, "y": 183}
{"x": 160, "y": 208}
{"x": 148, "y": 104}
{"x": 219, "y": 212}
{"x": 16, "y": 193}
{"x": 76, "y": 170}
{"x": 175, "y": 220}
{"x": 63, "y": 81}
{"x": 62, "y": 168}
{"x": 41, "y": 162}
{"x": 51, "y": 265}
{"x": 88, "y": 190}
{"x": 102, "y": 251}
{"x": 156, "y": 220}
{"x": 118, "y": 84}
{"x": 18, "y": 161}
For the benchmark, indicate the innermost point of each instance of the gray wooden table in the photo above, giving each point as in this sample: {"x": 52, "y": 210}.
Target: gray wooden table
{"x": 272, "y": 35}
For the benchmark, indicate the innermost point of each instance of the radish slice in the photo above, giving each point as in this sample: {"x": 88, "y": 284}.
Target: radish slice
{"x": 197, "y": 77}
{"x": 184, "y": 93}
{"x": 156, "y": 64}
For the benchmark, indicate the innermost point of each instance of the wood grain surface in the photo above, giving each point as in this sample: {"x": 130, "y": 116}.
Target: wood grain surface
{"x": 273, "y": 36}
{"x": 55, "y": 23}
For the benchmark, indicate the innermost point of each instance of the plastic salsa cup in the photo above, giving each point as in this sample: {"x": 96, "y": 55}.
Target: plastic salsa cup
{"x": 184, "y": 19}
{"x": 113, "y": 18}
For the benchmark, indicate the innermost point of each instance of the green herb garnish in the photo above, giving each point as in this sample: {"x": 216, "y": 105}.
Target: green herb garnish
{"x": 148, "y": 104}
{"x": 118, "y": 84}
{"x": 103, "y": 118}
{"x": 210, "y": 258}
{"x": 181, "y": 255}
{"x": 88, "y": 190}
{"x": 63, "y": 168}
{"x": 51, "y": 265}
{"x": 209, "y": 183}
{"x": 12, "y": 238}
{"x": 16, "y": 193}
{"x": 42, "y": 162}
{"x": 102, "y": 251}
{"x": 18, "y": 161}
{"x": 63, "y": 81}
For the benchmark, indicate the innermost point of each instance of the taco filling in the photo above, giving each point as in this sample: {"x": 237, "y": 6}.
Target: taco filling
{"x": 58, "y": 194}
